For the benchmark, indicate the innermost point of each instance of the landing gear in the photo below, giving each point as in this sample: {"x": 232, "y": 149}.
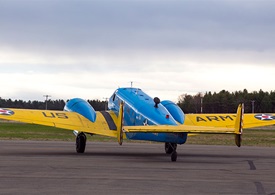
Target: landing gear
{"x": 80, "y": 143}
{"x": 238, "y": 139}
{"x": 170, "y": 148}
{"x": 174, "y": 156}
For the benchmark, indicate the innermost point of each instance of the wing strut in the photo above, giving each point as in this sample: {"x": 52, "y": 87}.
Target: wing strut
{"x": 120, "y": 124}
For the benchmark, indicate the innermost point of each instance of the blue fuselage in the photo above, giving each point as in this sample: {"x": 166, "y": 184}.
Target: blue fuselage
{"x": 140, "y": 109}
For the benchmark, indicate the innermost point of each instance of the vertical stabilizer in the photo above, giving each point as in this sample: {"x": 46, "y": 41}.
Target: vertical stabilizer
{"x": 239, "y": 125}
{"x": 120, "y": 124}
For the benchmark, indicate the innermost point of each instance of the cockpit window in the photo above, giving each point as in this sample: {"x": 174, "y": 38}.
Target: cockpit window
{"x": 114, "y": 96}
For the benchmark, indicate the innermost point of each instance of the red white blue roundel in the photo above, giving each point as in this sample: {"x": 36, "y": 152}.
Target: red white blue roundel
{"x": 6, "y": 112}
{"x": 265, "y": 117}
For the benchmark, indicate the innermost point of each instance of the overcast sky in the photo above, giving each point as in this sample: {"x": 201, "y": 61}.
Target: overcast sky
{"x": 87, "y": 49}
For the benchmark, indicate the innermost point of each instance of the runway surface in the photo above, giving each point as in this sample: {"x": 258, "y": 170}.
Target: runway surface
{"x": 49, "y": 167}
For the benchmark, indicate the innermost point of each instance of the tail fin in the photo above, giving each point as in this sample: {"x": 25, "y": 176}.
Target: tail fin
{"x": 239, "y": 125}
{"x": 120, "y": 124}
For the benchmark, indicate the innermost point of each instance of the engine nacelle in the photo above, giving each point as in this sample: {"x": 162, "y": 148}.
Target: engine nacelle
{"x": 81, "y": 107}
{"x": 174, "y": 110}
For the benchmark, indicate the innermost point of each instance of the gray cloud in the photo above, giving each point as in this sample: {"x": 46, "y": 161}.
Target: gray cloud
{"x": 164, "y": 45}
{"x": 101, "y": 26}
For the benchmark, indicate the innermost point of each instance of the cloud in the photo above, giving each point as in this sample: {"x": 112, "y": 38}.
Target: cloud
{"x": 93, "y": 26}
{"x": 89, "y": 48}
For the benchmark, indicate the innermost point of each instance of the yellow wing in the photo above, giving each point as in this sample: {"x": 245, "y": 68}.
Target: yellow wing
{"x": 227, "y": 120}
{"x": 108, "y": 124}
{"x": 104, "y": 124}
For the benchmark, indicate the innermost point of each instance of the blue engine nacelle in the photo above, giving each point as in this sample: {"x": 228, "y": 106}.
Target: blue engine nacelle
{"x": 174, "y": 110}
{"x": 81, "y": 107}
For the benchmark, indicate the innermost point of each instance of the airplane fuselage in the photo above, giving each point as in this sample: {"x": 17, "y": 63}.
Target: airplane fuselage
{"x": 141, "y": 109}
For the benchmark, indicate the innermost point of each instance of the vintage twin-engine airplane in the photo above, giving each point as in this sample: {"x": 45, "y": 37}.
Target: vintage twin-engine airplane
{"x": 134, "y": 115}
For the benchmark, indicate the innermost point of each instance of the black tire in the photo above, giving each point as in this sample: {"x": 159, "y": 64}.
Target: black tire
{"x": 80, "y": 143}
{"x": 170, "y": 147}
{"x": 174, "y": 156}
{"x": 238, "y": 140}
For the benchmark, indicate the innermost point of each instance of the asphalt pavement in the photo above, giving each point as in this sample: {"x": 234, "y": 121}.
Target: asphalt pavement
{"x": 53, "y": 167}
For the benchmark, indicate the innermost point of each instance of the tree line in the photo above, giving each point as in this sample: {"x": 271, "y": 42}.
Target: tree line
{"x": 221, "y": 102}
{"x": 227, "y": 102}
{"x": 50, "y": 104}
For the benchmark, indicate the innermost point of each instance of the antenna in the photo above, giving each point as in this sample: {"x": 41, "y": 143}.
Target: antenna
{"x": 131, "y": 83}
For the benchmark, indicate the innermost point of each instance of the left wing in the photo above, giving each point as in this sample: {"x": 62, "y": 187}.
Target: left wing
{"x": 62, "y": 119}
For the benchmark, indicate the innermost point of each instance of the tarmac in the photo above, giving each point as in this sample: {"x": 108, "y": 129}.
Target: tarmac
{"x": 53, "y": 167}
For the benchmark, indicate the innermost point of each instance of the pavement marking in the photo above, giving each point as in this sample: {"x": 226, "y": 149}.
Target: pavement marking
{"x": 259, "y": 187}
{"x": 251, "y": 165}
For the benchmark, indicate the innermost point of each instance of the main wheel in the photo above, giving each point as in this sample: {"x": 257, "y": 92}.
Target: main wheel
{"x": 170, "y": 147}
{"x": 238, "y": 140}
{"x": 80, "y": 143}
{"x": 174, "y": 156}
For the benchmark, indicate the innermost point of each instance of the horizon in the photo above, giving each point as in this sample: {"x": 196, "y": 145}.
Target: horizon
{"x": 107, "y": 98}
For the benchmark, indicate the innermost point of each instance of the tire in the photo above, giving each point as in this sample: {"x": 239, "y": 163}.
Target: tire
{"x": 170, "y": 147}
{"x": 80, "y": 143}
{"x": 174, "y": 156}
{"x": 238, "y": 140}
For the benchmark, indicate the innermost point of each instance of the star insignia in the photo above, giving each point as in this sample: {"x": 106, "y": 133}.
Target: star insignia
{"x": 145, "y": 122}
{"x": 264, "y": 117}
{"x": 6, "y": 112}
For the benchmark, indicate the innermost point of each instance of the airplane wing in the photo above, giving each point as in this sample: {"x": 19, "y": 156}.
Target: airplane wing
{"x": 103, "y": 125}
{"x": 227, "y": 120}
{"x": 108, "y": 124}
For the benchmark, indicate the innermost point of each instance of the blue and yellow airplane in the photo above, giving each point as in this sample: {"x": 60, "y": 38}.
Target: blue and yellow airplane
{"x": 134, "y": 115}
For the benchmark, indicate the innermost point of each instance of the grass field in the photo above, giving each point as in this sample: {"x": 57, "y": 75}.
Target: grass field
{"x": 15, "y": 131}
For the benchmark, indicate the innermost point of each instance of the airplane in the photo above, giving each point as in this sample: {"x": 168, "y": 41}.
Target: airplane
{"x": 134, "y": 115}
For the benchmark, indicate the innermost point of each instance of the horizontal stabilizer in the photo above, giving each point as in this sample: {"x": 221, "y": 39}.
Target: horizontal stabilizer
{"x": 237, "y": 130}
{"x": 177, "y": 129}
